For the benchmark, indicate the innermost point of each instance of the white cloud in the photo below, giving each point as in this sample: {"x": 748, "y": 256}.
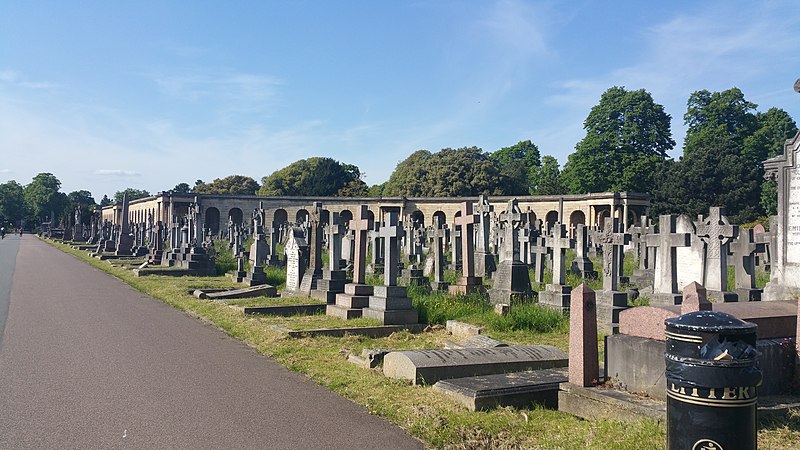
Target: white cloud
{"x": 14, "y": 79}
{"x": 117, "y": 172}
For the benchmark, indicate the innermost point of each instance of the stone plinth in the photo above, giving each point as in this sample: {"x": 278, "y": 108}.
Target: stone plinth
{"x": 430, "y": 366}
{"x": 329, "y": 286}
{"x": 466, "y": 285}
{"x": 391, "y": 306}
{"x": 350, "y": 304}
{"x": 511, "y": 283}
{"x": 555, "y": 296}
{"x": 609, "y": 305}
{"x": 255, "y": 277}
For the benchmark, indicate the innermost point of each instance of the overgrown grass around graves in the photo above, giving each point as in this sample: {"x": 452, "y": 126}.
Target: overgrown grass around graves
{"x": 426, "y": 414}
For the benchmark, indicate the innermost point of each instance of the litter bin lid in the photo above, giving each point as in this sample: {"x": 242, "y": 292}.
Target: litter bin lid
{"x": 710, "y": 322}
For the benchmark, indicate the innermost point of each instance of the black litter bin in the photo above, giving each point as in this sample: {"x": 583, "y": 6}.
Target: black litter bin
{"x": 712, "y": 379}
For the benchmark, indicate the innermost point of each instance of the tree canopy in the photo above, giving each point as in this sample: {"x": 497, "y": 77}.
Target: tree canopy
{"x": 317, "y": 176}
{"x": 466, "y": 171}
{"x": 133, "y": 194}
{"x": 182, "y": 188}
{"x": 233, "y": 184}
{"x": 517, "y": 164}
{"x": 12, "y": 203}
{"x": 627, "y": 138}
{"x": 43, "y": 199}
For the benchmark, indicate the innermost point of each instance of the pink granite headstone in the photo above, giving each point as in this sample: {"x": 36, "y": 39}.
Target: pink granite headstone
{"x": 694, "y": 299}
{"x": 584, "y": 369}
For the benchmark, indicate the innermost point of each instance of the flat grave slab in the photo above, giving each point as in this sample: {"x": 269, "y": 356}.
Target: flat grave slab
{"x": 430, "y": 366}
{"x": 374, "y": 332}
{"x": 262, "y": 290}
{"x": 595, "y": 403}
{"x": 285, "y": 311}
{"x": 517, "y": 389}
{"x": 477, "y": 341}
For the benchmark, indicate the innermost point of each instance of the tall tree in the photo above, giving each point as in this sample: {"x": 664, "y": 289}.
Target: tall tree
{"x": 627, "y": 137}
{"x": 546, "y": 180}
{"x": 12, "y": 203}
{"x": 233, "y": 184}
{"x": 182, "y": 188}
{"x": 43, "y": 199}
{"x": 315, "y": 176}
{"x": 133, "y": 194}
{"x": 517, "y": 164}
{"x": 466, "y": 171}
{"x": 105, "y": 201}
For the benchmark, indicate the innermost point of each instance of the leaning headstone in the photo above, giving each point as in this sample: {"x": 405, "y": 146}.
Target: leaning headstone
{"x": 349, "y": 305}
{"x": 468, "y": 283}
{"x": 584, "y": 368}
{"x": 389, "y": 303}
{"x": 430, "y": 366}
{"x": 556, "y": 294}
{"x": 512, "y": 281}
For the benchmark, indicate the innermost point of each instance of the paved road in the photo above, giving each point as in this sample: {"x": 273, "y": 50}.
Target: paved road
{"x": 8, "y": 255}
{"x": 88, "y": 362}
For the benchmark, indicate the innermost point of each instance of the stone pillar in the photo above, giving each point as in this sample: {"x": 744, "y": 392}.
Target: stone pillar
{"x": 584, "y": 368}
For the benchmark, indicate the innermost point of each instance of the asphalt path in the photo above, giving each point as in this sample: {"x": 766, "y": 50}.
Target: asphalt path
{"x": 89, "y": 362}
{"x": 8, "y": 256}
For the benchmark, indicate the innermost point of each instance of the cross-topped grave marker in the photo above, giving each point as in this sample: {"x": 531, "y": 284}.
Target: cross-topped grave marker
{"x": 716, "y": 232}
{"x": 665, "y": 283}
{"x": 612, "y": 243}
{"x": 468, "y": 282}
{"x": 744, "y": 248}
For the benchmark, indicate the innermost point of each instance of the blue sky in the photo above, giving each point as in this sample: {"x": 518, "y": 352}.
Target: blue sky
{"x": 148, "y": 94}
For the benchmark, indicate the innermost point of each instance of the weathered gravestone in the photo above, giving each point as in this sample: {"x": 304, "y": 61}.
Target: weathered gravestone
{"x": 667, "y": 242}
{"x": 644, "y": 256}
{"x": 785, "y": 253}
{"x": 610, "y": 301}
{"x": 313, "y": 272}
{"x": 511, "y": 282}
{"x": 430, "y": 366}
{"x": 584, "y": 369}
{"x": 389, "y": 303}
{"x": 582, "y": 265}
{"x": 124, "y": 241}
{"x": 333, "y": 277}
{"x": 716, "y": 232}
{"x": 556, "y": 294}
{"x": 295, "y": 251}
{"x": 438, "y": 235}
{"x": 349, "y": 305}
{"x": 468, "y": 282}
{"x": 744, "y": 250}
{"x": 484, "y": 259}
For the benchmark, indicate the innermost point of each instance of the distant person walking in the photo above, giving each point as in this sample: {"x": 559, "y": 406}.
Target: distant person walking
{"x": 2, "y": 232}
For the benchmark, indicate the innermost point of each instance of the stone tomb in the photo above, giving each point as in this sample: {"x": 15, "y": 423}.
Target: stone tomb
{"x": 430, "y": 366}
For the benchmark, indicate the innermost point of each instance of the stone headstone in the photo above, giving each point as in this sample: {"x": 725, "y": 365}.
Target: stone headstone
{"x": 690, "y": 261}
{"x": 350, "y": 304}
{"x": 468, "y": 282}
{"x": 694, "y": 299}
{"x": 717, "y": 232}
{"x": 667, "y": 242}
{"x": 438, "y": 236}
{"x": 511, "y": 281}
{"x": 295, "y": 261}
{"x": 557, "y": 294}
{"x": 744, "y": 250}
{"x": 484, "y": 260}
{"x": 582, "y": 265}
{"x": 124, "y": 241}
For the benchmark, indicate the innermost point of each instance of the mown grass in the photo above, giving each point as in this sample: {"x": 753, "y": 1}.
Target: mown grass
{"x": 424, "y": 413}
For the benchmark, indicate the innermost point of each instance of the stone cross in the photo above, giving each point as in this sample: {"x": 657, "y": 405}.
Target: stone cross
{"x": 484, "y": 210}
{"x": 511, "y": 221}
{"x": 744, "y": 261}
{"x": 335, "y": 233}
{"x": 391, "y": 232}
{"x": 361, "y": 225}
{"x": 666, "y": 241}
{"x": 612, "y": 243}
{"x": 315, "y": 238}
{"x": 467, "y": 221}
{"x": 639, "y": 238}
{"x": 716, "y": 232}
{"x": 559, "y": 242}
{"x": 438, "y": 235}
{"x": 539, "y": 253}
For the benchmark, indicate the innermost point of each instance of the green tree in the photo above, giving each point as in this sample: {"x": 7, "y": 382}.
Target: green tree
{"x": 182, "y": 188}
{"x": 376, "y": 190}
{"x": 517, "y": 164}
{"x": 81, "y": 199}
{"x": 465, "y": 171}
{"x": 627, "y": 137}
{"x": 12, "y": 203}
{"x": 233, "y": 184}
{"x": 43, "y": 199}
{"x": 105, "y": 201}
{"x": 726, "y": 141}
{"x": 317, "y": 176}
{"x": 546, "y": 180}
{"x": 133, "y": 194}
{"x": 773, "y": 128}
